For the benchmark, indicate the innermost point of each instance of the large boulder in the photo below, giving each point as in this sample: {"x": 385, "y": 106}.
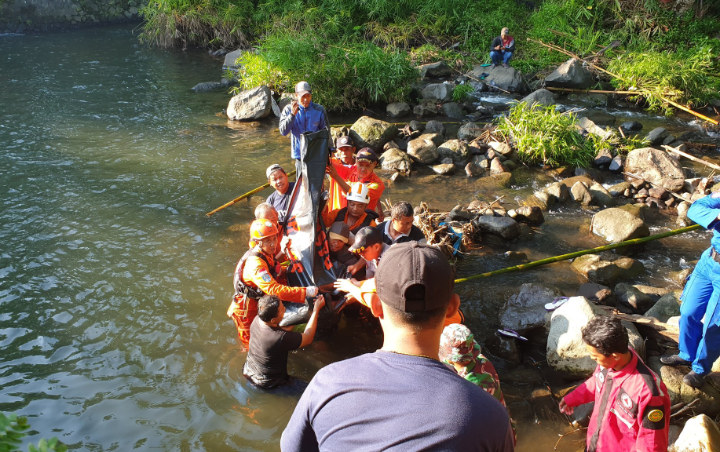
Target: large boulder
{"x": 657, "y": 167}
{"x": 699, "y": 433}
{"x": 438, "y": 91}
{"x": 570, "y": 74}
{"x": 250, "y": 104}
{"x": 453, "y": 110}
{"x": 636, "y": 299}
{"x": 457, "y": 150}
{"x": 372, "y": 133}
{"x": 395, "y": 160}
{"x": 435, "y": 70}
{"x": 505, "y": 227}
{"x": 616, "y": 225}
{"x": 525, "y": 310}
{"x": 423, "y": 149}
{"x": 667, "y": 306}
{"x": 505, "y": 78}
{"x": 566, "y": 351}
{"x": 541, "y": 96}
{"x": 231, "y": 64}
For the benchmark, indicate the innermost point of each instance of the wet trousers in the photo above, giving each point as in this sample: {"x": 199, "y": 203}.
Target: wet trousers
{"x": 243, "y": 311}
{"x": 700, "y": 340}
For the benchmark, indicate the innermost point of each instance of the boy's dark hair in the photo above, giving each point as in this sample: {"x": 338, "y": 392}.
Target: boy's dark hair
{"x": 401, "y": 210}
{"x": 268, "y": 307}
{"x": 606, "y": 334}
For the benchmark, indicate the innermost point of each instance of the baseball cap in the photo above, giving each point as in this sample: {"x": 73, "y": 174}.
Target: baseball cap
{"x": 365, "y": 237}
{"x": 272, "y": 168}
{"x": 302, "y": 88}
{"x": 414, "y": 278}
{"x": 340, "y": 231}
{"x": 344, "y": 141}
{"x": 366, "y": 154}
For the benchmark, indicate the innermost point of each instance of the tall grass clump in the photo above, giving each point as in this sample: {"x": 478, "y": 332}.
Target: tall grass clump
{"x": 687, "y": 76}
{"x": 544, "y": 136}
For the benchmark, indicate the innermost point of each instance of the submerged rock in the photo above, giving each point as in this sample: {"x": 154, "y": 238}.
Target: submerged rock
{"x": 526, "y": 309}
{"x": 541, "y": 97}
{"x": 601, "y": 271}
{"x": 398, "y": 109}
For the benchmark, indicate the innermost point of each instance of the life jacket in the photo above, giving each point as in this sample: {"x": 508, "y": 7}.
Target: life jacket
{"x": 240, "y": 286}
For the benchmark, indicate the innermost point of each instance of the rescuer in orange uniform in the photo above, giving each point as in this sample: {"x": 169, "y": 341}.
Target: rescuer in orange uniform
{"x": 256, "y": 274}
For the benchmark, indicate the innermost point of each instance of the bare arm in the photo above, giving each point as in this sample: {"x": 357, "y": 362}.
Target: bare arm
{"x": 309, "y": 334}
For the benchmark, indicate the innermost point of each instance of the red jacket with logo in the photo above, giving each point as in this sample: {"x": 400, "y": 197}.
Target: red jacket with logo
{"x": 632, "y": 408}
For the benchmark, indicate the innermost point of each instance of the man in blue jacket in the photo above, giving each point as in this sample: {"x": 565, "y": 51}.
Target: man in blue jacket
{"x": 700, "y": 341}
{"x": 301, "y": 116}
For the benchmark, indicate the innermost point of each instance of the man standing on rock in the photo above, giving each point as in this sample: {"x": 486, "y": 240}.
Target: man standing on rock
{"x": 401, "y": 397}
{"x": 502, "y": 48}
{"x": 632, "y": 405}
{"x": 699, "y": 340}
{"x": 302, "y": 116}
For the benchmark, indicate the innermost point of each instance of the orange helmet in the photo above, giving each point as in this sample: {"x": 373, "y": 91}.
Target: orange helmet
{"x": 260, "y": 229}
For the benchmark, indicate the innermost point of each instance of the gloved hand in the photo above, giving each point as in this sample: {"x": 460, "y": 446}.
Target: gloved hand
{"x": 311, "y": 291}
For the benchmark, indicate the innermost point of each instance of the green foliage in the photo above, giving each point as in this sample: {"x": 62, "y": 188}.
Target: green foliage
{"x": 462, "y": 93}
{"x": 686, "y": 76}
{"x": 541, "y": 135}
{"x": 12, "y": 431}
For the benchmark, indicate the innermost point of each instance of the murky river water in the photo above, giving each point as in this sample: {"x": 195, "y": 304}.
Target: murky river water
{"x": 114, "y": 284}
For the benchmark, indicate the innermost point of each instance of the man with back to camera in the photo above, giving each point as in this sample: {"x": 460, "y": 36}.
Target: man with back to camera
{"x": 302, "y": 116}
{"x": 266, "y": 364}
{"x": 401, "y": 397}
{"x": 632, "y": 405}
{"x": 400, "y": 228}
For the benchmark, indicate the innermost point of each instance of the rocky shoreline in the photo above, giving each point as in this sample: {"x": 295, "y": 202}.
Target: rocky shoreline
{"x": 653, "y": 179}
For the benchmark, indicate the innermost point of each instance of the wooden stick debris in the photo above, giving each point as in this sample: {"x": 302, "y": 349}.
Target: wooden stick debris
{"x": 243, "y": 196}
{"x": 691, "y": 157}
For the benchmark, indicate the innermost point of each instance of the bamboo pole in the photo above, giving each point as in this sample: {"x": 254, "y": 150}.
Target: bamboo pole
{"x": 640, "y": 92}
{"x": 691, "y": 157}
{"x": 562, "y": 257}
{"x": 243, "y": 196}
{"x": 593, "y": 91}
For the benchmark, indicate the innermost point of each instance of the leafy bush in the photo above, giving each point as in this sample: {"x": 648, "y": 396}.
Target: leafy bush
{"x": 462, "y": 93}
{"x": 542, "y": 135}
{"x": 12, "y": 431}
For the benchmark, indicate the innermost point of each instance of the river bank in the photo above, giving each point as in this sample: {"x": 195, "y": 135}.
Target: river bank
{"x": 115, "y": 284}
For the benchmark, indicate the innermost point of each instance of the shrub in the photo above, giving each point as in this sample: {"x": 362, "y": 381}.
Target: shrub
{"x": 462, "y": 93}
{"x": 541, "y": 135}
{"x": 12, "y": 431}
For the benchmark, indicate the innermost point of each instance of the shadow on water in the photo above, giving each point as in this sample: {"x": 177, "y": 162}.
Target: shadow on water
{"x": 114, "y": 284}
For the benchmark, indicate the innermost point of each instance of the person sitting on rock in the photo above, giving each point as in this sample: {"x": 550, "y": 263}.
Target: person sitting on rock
{"x": 364, "y": 173}
{"x": 343, "y": 164}
{"x": 400, "y": 227}
{"x": 502, "y": 48}
{"x": 280, "y": 198}
{"x": 266, "y": 364}
{"x": 632, "y": 405}
{"x": 355, "y": 215}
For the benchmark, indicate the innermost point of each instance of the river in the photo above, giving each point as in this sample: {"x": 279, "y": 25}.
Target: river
{"x": 113, "y": 282}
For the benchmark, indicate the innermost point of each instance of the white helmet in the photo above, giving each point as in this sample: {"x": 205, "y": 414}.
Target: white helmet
{"x": 358, "y": 193}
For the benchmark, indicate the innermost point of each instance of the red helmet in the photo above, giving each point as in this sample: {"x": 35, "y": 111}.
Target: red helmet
{"x": 260, "y": 229}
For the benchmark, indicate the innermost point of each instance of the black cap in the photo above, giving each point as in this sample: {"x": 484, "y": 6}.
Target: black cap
{"x": 414, "y": 278}
{"x": 366, "y": 154}
{"x": 365, "y": 237}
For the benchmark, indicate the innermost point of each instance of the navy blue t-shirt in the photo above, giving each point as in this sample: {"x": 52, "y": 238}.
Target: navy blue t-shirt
{"x": 280, "y": 202}
{"x": 389, "y": 401}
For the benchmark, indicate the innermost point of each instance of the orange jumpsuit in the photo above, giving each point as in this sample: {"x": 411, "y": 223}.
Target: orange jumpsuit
{"x": 257, "y": 274}
{"x": 366, "y": 219}
{"x": 336, "y": 198}
{"x": 375, "y": 188}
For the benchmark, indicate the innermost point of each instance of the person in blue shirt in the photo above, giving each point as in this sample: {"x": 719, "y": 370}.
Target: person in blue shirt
{"x": 699, "y": 341}
{"x": 301, "y": 116}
